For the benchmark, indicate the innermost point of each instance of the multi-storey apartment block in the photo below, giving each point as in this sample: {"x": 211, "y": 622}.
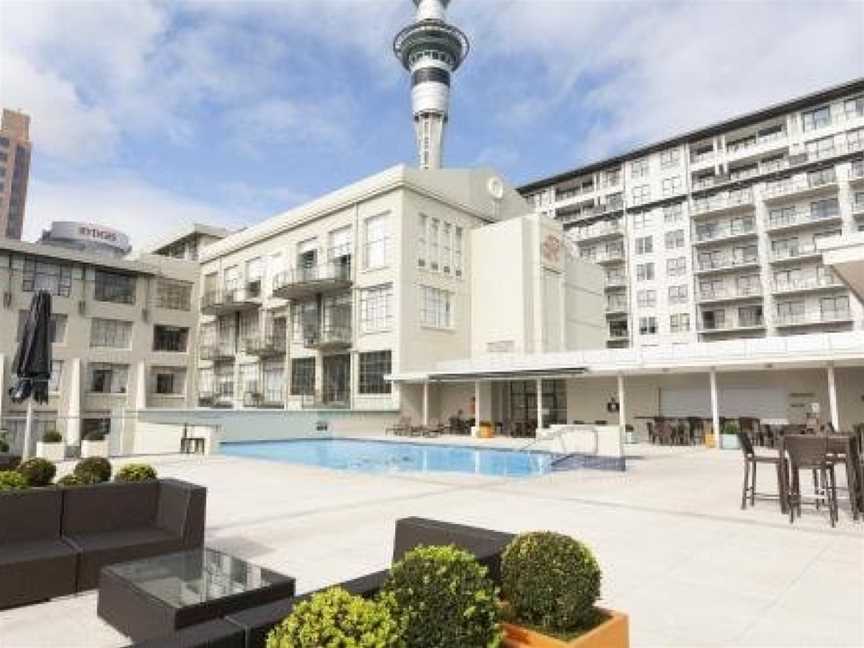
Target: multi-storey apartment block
{"x": 713, "y": 234}
{"x": 15, "y": 150}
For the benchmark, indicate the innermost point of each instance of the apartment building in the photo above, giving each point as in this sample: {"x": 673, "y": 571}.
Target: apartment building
{"x": 122, "y": 334}
{"x": 317, "y": 307}
{"x": 15, "y": 150}
{"x": 714, "y": 234}
{"x": 189, "y": 241}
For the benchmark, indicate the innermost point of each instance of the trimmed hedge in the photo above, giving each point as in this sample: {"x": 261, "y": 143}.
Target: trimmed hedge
{"x": 69, "y": 481}
{"x": 336, "y": 618}
{"x": 93, "y": 470}
{"x": 12, "y": 480}
{"x": 37, "y": 471}
{"x": 550, "y": 580}
{"x": 135, "y": 472}
{"x": 443, "y": 598}
{"x": 52, "y": 436}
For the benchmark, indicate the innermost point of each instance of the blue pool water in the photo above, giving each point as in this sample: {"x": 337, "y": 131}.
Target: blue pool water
{"x": 386, "y": 456}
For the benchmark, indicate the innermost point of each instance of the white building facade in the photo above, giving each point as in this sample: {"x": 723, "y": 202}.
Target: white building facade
{"x": 714, "y": 234}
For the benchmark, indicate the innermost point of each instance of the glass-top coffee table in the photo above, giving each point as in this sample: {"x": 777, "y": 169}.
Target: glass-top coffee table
{"x": 157, "y": 596}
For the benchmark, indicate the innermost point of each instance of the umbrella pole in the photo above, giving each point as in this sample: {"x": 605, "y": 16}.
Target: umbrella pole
{"x": 28, "y": 431}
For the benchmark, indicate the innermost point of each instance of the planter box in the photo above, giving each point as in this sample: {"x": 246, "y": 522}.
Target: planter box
{"x": 51, "y": 451}
{"x": 94, "y": 449}
{"x": 729, "y": 442}
{"x": 612, "y": 633}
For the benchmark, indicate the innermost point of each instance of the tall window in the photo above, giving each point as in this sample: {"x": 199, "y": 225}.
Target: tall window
{"x": 827, "y": 208}
{"x": 669, "y": 157}
{"x": 644, "y": 245}
{"x": 174, "y": 295}
{"x": 672, "y": 185}
{"x": 115, "y": 287}
{"x": 645, "y": 272}
{"x": 422, "y": 252}
{"x": 436, "y": 308}
{"x": 274, "y": 379}
{"x": 170, "y": 338}
{"x": 641, "y": 220}
{"x": 813, "y": 119}
{"x": 377, "y": 239}
{"x": 639, "y": 168}
{"x": 56, "y": 376}
{"x": 57, "y": 330}
{"x": 673, "y": 214}
{"x": 854, "y": 107}
{"x": 168, "y": 381}
{"x": 836, "y": 307}
{"x": 457, "y": 251}
{"x": 115, "y": 334}
{"x": 376, "y": 308}
{"x": 105, "y": 378}
{"x": 641, "y": 194}
{"x": 43, "y": 275}
{"x": 675, "y": 239}
{"x": 446, "y": 248}
{"x": 373, "y": 367}
{"x": 676, "y": 267}
{"x": 648, "y": 325}
{"x": 434, "y": 226}
{"x": 678, "y": 294}
{"x": 302, "y": 376}
{"x": 646, "y": 298}
{"x": 679, "y": 322}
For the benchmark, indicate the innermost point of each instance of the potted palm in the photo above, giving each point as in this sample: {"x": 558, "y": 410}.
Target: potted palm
{"x": 729, "y": 436}
{"x": 550, "y": 584}
{"x": 51, "y": 447}
{"x": 94, "y": 444}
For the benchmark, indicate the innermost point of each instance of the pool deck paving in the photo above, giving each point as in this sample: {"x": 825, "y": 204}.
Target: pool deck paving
{"x": 678, "y": 554}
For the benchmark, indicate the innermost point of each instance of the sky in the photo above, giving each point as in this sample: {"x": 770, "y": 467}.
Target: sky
{"x": 149, "y": 115}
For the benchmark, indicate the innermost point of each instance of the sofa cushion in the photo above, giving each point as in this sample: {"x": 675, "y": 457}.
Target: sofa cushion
{"x": 181, "y": 509}
{"x": 109, "y": 547}
{"x": 36, "y": 570}
{"x": 110, "y": 507}
{"x": 30, "y": 515}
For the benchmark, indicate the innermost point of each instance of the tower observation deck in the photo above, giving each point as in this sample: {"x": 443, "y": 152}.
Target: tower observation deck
{"x": 431, "y": 50}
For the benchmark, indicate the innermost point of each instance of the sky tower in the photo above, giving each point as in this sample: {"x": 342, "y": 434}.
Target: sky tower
{"x": 431, "y": 50}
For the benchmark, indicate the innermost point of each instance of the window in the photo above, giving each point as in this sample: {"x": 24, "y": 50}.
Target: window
{"x": 170, "y": 338}
{"x": 675, "y": 239}
{"x": 174, "y": 295}
{"x": 274, "y": 379}
{"x": 58, "y": 327}
{"x": 669, "y": 157}
{"x": 303, "y": 376}
{"x": 169, "y": 381}
{"x": 855, "y": 139}
{"x": 639, "y": 168}
{"x": 304, "y": 320}
{"x": 641, "y": 220}
{"x": 436, "y": 309}
{"x": 827, "y": 208}
{"x": 457, "y": 251}
{"x": 648, "y": 325}
{"x": 646, "y": 298}
{"x": 854, "y": 107}
{"x": 645, "y": 272}
{"x": 671, "y": 185}
{"x": 818, "y": 118}
{"x": 114, "y": 334}
{"x": 679, "y": 323}
{"x": 42, "y": 275}
{"x": 673, "y": 214}
{"x": 56, "y": 376}
{"x": 254, "y": 276}
{"x": 641, "y": 194}
{"x": 750, "y": 316}
{"x": 446, "y": 258}
{"x": 836, "y": 307}
{"x": 422, "y": 252}
{"x": 750, "y": 284}
{"x": 678, "y": 294}
{"x": 107, "y": 378}
{"x": 115, "y": 287}
{"x": 373, "y": 367}
{"x": 821, "y": 148}
{"x": 377, "y": 241}
{"x": 790, "y": 311}
{"x": 376, "y": 308}
{"x": 434, "y": 227}
{"x": 644, "y": 245}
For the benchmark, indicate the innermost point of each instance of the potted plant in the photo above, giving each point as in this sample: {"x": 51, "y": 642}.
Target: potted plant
{"x": 135, "y": 472}
{"x": 550, "y": 584}
{"x": 93, "y": 470}
{"x": 51, "y": 447}
{"x": 94, "y": 444}
{"x": 37, "y": 471}
{"x": 729, "y": 436}
{"x": 487, "y": 430}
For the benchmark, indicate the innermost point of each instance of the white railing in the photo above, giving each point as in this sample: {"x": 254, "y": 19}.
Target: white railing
{"x": 599, "y": 229}
{"x": 724, "y": 231}
{"x": 799, "y": 217}
{"x": 806, "y": 283}
{"x": 723, "y": 262}
{"x": 813, "y": 317}
{"x": 722, "y": 201}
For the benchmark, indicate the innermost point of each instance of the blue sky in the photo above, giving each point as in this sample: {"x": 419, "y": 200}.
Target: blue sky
{"x": 147, "y": 115}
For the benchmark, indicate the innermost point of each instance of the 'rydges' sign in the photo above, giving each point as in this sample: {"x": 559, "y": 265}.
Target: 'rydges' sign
{"x": 71, "y": 231}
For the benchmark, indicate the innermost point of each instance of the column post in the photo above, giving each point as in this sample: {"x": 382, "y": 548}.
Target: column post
{"x": 832, "y": 398}
{"x": 476, "y": 430}
{"x": 715, "y": 412}
{"x": 539, "y": 405}
{"x": 426, "y": 403}
{"x": 28, "y": 431}
{"x": 622, "y": 407}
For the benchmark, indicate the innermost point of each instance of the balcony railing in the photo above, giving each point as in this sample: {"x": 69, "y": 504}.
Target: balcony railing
{"x": 599, "y": 230}
{"x": 800, "y": 217}
{"x": 806, "y": 283}
{"x": 607, "y": 256}
{"x": 331, "y": 399}
{"x": 755, "y": 141}
{"x": 732, "y": 324}
{"x": 303, "y": 282}
{"x": 721, "y": 202}
{"x": 813, "y": 317}
{"x": 327, "y": 337}
{"x": 704, "y": 234}
{"x": 857, "y": 207}
{"x": 726, "y": 262}
{"x": 790, "y": 187}
{"x": 265, "y": 345}
{"x": 230, "y": 299}
{"x": 618, "y": 334}
{"x": 730, "y": 292}
{"x": 615, "y": 281}
{"x": 616, "y": 306}
{"x": 856, "y": 171}
{"x": 216, "y": 352}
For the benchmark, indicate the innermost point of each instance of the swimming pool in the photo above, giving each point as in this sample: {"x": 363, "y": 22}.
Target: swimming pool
{"x": 389, "y": 456}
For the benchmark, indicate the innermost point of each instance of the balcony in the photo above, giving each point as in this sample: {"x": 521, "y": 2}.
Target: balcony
{"x": 265, "y": 346}
{"x": 607, "y": 256}
{"x": 301, "y": 283}
{"x": 806, "y": 284}
{"x": 255, "y": 397}
{"x": 600, "y": 230}
{"x": 756, "y": 145}
{"x": 725, "y": 264}
{"x": 327, "y": 338}
{"x": 723, "y": 202}
{"x": 857, "y": 207}
{"x": 222, "y": 398}
{"x": 801, "y": 218}
{"x": 331, "y": 400}
{"x": 813, "y": 318}
{"x": 730, "y": 293}
{"x": 796, "y": 253}
{"x": 785, "y": 189}
{"x": 615, "y": 281}
{"x": 856, "y": 172}
{"x": 754, "y": 323}
{"x": 216, "y": 352}
{"x": 724, "y": 232}
{"x": 232, "y": 300}
{"x": 616, "y": 307}
{"x": 618, "y": 335}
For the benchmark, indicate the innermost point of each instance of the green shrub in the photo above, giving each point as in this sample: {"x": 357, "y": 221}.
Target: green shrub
{"x": 729, "y": 427}
{"x": 12, "y": 480}
{"x": 69, "y": 481}
{"x": 134, "y": 472}
{"x": 37, "y": 471}
{"x": 336, "y": 618}
{"x": 93, "y": 470}
{"x": 4, "y": 443}
{"x": 52, "y": 436}
{"x": 550, "y": 580}
{"x": 443, "y": 599}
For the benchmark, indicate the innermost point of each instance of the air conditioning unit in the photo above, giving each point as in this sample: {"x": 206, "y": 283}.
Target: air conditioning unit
{"x": 82, "y": 307}
{"x": 7, "y": 299}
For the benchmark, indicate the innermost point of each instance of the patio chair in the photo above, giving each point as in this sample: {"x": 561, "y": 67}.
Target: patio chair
{"x": 665, "y": 432}
{"x": 697, "y": 429}
{"x": 843, "y": 451}
{"x": 433, "y": 429}
{"x": 652, "y": 432}
{"x": 809, "y": 452}
{"x": 401, "y": 428}
{"x": 750, "y": 426}
{"x": 751, "y": 460}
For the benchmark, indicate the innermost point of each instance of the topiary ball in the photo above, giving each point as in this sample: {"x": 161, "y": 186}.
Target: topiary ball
{"x": 52, "y": 436}
{"x": 135, "y": 472}
{"x": 93, "y": 470}
{"x": 443, "y": 598}
{"x": 37, "y": 471}
{"x": 12, "y": 480}
{"x": 550, "y": 580}
{"x": 68, "y": 481}
{"x": 336, "y": 618}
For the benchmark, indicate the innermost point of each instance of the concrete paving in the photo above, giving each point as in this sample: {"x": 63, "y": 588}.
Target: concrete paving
{"x": 678, "y": 554}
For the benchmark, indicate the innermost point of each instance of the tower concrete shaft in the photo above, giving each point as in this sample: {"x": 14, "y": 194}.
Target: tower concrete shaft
{"x": 431, "y": 50}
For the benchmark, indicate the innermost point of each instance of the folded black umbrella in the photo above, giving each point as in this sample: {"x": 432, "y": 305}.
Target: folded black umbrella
{"x": 32, "y": 363}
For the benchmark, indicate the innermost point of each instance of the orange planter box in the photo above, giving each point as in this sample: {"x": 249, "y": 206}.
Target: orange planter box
{"x": 612, "y": 633}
